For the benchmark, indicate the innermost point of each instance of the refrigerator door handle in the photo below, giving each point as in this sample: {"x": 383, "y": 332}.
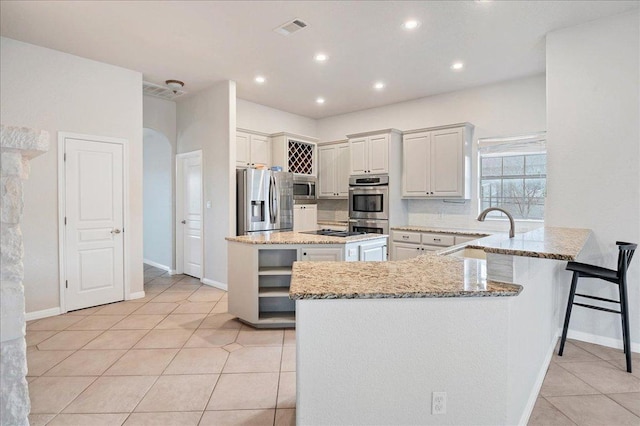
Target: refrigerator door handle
{"x": 272, "y": 204}
{"x": 276, "y": 195}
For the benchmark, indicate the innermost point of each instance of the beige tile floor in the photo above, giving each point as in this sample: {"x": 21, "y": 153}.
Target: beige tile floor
{"x": 177, "y": 357}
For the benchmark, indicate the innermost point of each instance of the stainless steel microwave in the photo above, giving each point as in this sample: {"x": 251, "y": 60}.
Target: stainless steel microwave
{"x": 304, "y": 189}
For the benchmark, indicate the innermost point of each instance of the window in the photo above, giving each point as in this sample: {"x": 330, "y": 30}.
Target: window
{"x": 513, "y": 175}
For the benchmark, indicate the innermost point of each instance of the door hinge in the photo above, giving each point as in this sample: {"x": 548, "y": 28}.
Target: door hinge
{"x": 64, "y": 157}
{"x": 66, "y": 284}
{"x": 123, "y": 230}
{"x": 65, "y": 220}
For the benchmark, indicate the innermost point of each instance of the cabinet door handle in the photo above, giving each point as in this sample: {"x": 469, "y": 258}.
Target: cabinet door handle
{"x": 304, "y": 254}
{"x": 405, "y": 237}
{"x": 436, "y": 239}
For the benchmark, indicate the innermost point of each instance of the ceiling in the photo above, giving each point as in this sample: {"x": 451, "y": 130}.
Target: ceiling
{"x": 202, "y": 42}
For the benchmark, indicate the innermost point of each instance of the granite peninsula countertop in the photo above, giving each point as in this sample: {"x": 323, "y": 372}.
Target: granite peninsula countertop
{"x": 301, "y": 238}
{"x": 456, "y": 231}
{"x": 545, "y": 243}
{"x": 432, "y": 274}
{"x": 425, "y": 276}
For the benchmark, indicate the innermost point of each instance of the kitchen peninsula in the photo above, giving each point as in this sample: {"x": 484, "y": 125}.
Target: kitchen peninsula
{"x": 430, "y": 340}
{"x": 260, "y": 269}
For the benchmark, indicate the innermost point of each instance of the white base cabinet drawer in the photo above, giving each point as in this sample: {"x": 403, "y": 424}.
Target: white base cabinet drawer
{"x": 438, "y": 240}
{"x": 406, "y": 237}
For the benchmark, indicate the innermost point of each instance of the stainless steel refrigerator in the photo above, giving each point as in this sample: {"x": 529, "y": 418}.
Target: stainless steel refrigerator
{"x": 264, "y": 201}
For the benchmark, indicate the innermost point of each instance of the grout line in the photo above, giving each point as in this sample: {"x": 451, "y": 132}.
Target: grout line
{"x": 607, "y": 395}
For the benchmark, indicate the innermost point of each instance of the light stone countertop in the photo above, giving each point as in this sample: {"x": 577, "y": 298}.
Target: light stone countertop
{"x": 433, "y": 274}
{"x": 546, "y": 243}
{"x": 425, "y": 276}
{"x": 456, "y": 231}
{"x": 300, "y": 238}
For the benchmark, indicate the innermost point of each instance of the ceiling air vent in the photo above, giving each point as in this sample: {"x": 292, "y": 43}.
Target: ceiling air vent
{"x": 291, "y": 27}
{"x": 159, "y": 91}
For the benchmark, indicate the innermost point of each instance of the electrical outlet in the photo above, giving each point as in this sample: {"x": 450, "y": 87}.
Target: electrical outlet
{"x": 439, "y": 403}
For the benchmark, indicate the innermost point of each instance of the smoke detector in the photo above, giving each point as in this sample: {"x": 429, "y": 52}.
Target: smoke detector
{"x": 164, "y": 92}
{"x": 290, "y": 27}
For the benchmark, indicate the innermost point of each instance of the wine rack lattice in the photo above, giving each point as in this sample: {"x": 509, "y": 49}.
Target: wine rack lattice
{"x": 300, "y": 157}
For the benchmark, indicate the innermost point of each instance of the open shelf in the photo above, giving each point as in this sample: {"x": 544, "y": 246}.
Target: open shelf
{"x": 274, "y": 270}
{"x": 276, "y": 317}
{"x": 274, "y": 292}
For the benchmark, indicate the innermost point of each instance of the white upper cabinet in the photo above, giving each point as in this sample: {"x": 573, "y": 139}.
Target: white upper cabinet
{"x": 252, "y": 149}
{"x": 359, "y": 158}
{"x": 378, "y": 154}
{"x": 342, "y": 170}
{"x": 369, "y": 152}
{"x": 295, "y": 153}
{"x": 436, "y": 162}
{"x": 333, "y": 170}
{"x": 260, "y": 150}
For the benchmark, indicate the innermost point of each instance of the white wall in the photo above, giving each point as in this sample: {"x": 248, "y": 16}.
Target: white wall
{"x": 207, "y": 122}
{"x": 508, "y": 108}
{"x": 594, "y": 152}
{"x": 54, "y": 91}
{"x": 158, "y": 199}
{"x": 264, "y": 119}
{"x": 160, "y": 115}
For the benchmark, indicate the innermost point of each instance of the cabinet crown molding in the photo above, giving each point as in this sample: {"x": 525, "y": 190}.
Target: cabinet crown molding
{"x": 333, "y": 142}
{"x": 447, "y": 126}
{"x": 253, "y": 132}
{"x": 302, "y": 138}
{"x": 374, "y": 132}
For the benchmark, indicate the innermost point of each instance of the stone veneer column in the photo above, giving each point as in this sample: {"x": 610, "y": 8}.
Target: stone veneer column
{"x": 18, "y": 146}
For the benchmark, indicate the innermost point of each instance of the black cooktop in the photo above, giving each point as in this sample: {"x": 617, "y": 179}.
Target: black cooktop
{"x": 333, "y": 233}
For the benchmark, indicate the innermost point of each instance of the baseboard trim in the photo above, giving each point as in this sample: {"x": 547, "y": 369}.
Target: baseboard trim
{"x": 599, "y": 340}
{"x": 159, "y": 266}
{"x": 136, "y": 295}
{"x": 212, "y": 283}
{"x": 45, "y": 313}
{"x": 535, "y": 391}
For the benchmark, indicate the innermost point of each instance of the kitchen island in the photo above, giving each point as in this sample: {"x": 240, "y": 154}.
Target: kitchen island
{"x": 378, "y": 343}
{"x": 260, "y": 269}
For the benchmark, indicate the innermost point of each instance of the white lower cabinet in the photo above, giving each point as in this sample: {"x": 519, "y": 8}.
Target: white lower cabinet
{"x": 305, "y": 217}
{"x": 260, "y": 276}
{"x": 410, "y": 244}
{"x": 322, "y": 254}
{"x": 374, "y": 251}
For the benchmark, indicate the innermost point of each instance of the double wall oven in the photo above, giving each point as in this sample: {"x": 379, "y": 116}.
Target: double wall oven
{"x": 369, "y": 204}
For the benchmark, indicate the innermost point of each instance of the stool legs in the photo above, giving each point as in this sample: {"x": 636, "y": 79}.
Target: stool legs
{"x": 567, "y": 315}
{"x": 624, "y": 311}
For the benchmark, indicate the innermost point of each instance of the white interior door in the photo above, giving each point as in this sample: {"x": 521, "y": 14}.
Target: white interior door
{"x": 94, "y": 213}
{"x": 191, "y": 212}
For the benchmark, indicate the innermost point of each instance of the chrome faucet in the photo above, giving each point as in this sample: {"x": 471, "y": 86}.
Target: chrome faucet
{"x": 512, "y": 229}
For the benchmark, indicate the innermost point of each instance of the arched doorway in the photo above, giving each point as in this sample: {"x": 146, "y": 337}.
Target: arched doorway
{"x": 157, "y": 200}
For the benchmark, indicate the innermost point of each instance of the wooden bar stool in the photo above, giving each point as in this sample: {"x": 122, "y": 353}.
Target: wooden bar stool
{"x": 619, "y": 277}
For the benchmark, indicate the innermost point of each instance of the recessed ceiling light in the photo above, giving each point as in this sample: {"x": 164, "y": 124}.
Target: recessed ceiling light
{"x": 411, "y": 24}
{"x": 321, "y": 57}
{"x": 457, "y": 66}
{"x": 260, "y": 79}
{"x": 378, "y": 85}
{"x": 320, "y": 100}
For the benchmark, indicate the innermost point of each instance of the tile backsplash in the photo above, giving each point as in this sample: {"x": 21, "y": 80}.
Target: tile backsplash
{"x": 333, "y": 210}
{"x": 430, "y": 213}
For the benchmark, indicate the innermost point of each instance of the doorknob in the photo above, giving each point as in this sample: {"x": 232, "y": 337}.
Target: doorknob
{"x": 183, "y": 222}
{"x": 115, "y": 231}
